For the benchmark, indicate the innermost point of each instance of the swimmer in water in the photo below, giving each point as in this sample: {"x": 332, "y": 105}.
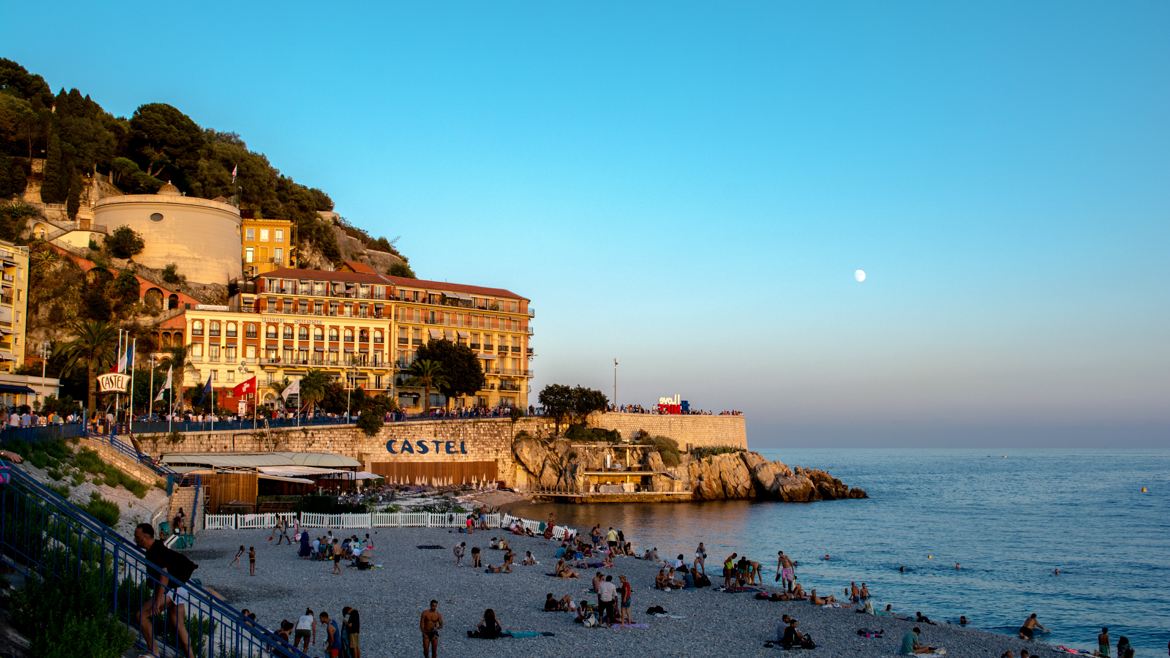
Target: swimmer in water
{"x": 957, "y": 567}
{"x": 826, "y": 558}
{"x": 902, "y": 568}
{"x": 1056, "y": 571}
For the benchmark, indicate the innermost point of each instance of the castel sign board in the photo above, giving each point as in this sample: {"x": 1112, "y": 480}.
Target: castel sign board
{"x": 426, "y": 446}
{"x": 113, "y": 382}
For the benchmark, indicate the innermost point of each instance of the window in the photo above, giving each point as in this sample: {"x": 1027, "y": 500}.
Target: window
{"x": 197, "y": 350}
{"x": 213, "y": 351}
{"x": 214, "y": 328}
{"x": 215, "y": 375}
{"x": 278, "y": 255}
{"x": 278, "y": 235}
{"x": 231, "y": 329}
{"x": 229, "y": 352}
{"x": 318, "y": 333}
{"x": 318, "y": 308}
{"x": 349, "y": 334}
{"x": 288, "y": 331}
{"x": 250, "y": 330}
{"x": 270, "y": 331}
{"x": 264, "y": 235}
{"x": 378, "y": 336}
{"x": 364, "y": 335}
{"x": 303, "y": 332}
{"x": 197, "y": 328}
{"x": 156, "y": 217}
{"x": 332, "y": 333}
{"x": 249, "y": 234}
{"x": 250, "y": 352}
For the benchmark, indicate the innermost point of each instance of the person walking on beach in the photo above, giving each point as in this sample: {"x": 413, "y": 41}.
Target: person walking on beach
{"x": 1103, "y": 642}
{"x": 283, "y": 532}
{"x": 430, "y": 623}
{"x": 785, "y": 571}
{"x": 332, "y": 636}
{"x": 239, "y": 554}
{"x": 1031, "y": 625}
{"x": 336, "y": 558}
{"x": 458, "y": 550}
{"x": 701, "y": 558}
{"x": 251, "y": 560}
{"x": 306, "y": 629}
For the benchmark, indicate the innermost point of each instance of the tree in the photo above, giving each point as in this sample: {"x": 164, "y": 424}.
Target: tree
{"x": 402, "y": 269}
{"x": 58, "y": 172}
{"x": 14, "y": 218}
{"x": 428, "y": 374}
{"x": 123, "y": 291}
{"x": 373, "y": 413}
{"x": 165, "y": 142}
{"x": 462, "y": 373}
{"x": 587, "y": 401}
{"x": 314, "y": 386}
{"x": 278, "y": 388}
{"x": 557, "y": 400}
{"x": 124, "y": 242}
{"x": 92, "y": 348}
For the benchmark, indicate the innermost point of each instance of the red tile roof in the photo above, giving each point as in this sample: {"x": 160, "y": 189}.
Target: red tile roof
{"x": 386, "y": 279}
{"x": 360, "y": 268}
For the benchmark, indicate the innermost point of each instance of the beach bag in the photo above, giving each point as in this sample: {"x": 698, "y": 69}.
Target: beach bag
{"x": 589, "y": 621}
{"x": 807, "y": 642}
{"x": 181, "y": 567}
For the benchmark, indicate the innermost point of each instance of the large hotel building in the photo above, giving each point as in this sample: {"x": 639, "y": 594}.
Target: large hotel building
{"x": 361, "y": 327}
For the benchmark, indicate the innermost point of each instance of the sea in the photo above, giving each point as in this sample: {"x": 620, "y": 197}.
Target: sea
{"x": 979, "y": 533}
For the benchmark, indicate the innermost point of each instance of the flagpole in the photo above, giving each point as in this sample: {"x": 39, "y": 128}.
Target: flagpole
{"x": 117, "y": 396}
{"x": 171, "y": 414}
{"x": 150, "y": 406}
{"x": 130, "y": 365}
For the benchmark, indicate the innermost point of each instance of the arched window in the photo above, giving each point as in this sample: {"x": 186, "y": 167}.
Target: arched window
{"x": 303, "y": 332}
{"x": 270, "y": 331}
{"x": 318, "y": 333}
{"x": 250, "y": 329}
{"x": 231, "y": 329}
{"x": 197, "y": 328}
{"x": 348, "y": 334}
{"x": 288, "y": 331}
{"x": 214, "y": 328}
{"x": 378, "y": 336}
{"x": 332, "y": 333}
{"x": 173, "y": 301}
{"x": 364, "y": 335}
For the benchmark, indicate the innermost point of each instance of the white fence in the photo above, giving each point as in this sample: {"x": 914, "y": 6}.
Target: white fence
{"x": 374, "y": 520}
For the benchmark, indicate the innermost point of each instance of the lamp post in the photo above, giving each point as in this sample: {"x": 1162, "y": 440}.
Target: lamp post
{"x": 349, "y": 385}
{"x": 615, "y": 402}
{"x": 44, "y": 361}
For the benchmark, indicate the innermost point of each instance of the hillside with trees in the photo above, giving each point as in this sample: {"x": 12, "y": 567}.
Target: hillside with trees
{"x": 77, "y": 138}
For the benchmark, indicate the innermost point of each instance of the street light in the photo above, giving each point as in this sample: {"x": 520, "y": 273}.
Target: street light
{"x": 349, "y": 385}
{"x": 44, "y": 361}
{"x": 615, "y": 402}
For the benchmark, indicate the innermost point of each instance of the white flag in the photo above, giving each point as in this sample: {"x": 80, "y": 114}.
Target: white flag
{"x": 166, "y": 385}
{"x": 292, "y": 389}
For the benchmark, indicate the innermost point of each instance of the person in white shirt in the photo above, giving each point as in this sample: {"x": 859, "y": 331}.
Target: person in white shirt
{"x": 607, "y": 600}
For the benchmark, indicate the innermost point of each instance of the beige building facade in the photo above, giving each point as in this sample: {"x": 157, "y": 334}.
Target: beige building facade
{"x": 200, "y": 236}
{"x": 13, "y": 305}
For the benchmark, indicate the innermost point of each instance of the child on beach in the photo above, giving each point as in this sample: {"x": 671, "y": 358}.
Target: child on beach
{"x": 529, "y": 559}
{"x": 458, "y": 550}
{"x": 251, "y": 560}
{"x": 239, "y": 554}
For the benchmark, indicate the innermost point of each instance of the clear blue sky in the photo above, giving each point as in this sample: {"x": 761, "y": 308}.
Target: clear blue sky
{"x": 689, "y": 187}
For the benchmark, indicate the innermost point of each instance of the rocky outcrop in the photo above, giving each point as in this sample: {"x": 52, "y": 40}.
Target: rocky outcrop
{"x": 555, "y": 464}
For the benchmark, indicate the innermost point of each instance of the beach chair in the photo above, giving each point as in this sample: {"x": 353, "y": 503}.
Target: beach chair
{"x": 184, "y": 542}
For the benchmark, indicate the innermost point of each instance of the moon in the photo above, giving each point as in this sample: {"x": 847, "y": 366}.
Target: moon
{"x": 859, "y": 276}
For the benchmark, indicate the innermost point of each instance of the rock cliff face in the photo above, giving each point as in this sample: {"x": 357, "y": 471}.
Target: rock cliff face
{"x": 555, "y": 465}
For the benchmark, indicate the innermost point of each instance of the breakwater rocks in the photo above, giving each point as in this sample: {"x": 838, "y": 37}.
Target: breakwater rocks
{"x": 558, "y": 465}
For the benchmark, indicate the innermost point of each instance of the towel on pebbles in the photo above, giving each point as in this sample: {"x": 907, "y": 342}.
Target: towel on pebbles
{"x": 523, "y": 635}
{"x": 641, "y": 627}
{"x": 429, "y": 547}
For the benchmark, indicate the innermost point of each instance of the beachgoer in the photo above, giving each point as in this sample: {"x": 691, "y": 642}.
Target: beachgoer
{"x": 607, "y": 600}
{"x": 701, "y": 558}
{"x": 910, "y": 644}
{"x": 306, "y": 628}
{"x": 239, "y": 554}
{"x": 864, "y": 592}
{"x": 922, "y": 619}
{"x": 304, "y": 550}
{"x": 337, "y": 552}
{"x": 170, "y": 594}
{"x": 429, "y": 624}
{"x": 1031, "y": 625}
{"x": 729, "y": 570}
{"x": 489, "y": 627}
{"x": 626, "y": 592}
{"x": 611, "y": 539}
{"x": 854, "y": 592}
{"x": 1103, "y": 642}
{"x": 1124, "y": 650}
{"x": 551, "y": 604}
{"x": 475, "y": 561}
{"x": 963, "y": 620}
{"x": 529, "y": 559}
{"x": 353, "y": 630}
{"x": 332, "y": 636}
{"x": 458, "y": 550}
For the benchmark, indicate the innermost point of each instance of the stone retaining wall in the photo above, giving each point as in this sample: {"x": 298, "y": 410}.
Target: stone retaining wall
{"x": 697, "y": 431}
{"x": 123, "y": 462}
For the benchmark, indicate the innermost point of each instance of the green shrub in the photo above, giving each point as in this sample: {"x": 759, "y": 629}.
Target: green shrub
{"x": 103, "y": 510}
{"x": 711, "y": 451}
{"x": 580, "y": 432}
{"x": 66, "y": 617}
{"x": 61, "y": 489}
{"x": 90, "y": 462}
{"x": 667, "y": 448}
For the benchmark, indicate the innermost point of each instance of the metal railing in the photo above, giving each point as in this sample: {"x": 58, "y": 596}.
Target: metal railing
{"x": 42, "y": 532}
{"x": 44, "y": 433}
{"x": 375, "y": 520}
{"x": 142, "y": 458}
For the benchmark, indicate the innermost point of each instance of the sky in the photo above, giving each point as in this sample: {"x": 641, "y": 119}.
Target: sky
{"x": 688, "y": 187}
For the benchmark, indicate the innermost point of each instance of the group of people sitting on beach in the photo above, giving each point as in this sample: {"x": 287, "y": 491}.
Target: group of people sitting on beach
{"x": 329, "y": 548}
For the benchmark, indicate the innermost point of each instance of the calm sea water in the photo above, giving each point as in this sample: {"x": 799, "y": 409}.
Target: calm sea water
{"x": 1009, "y": 518}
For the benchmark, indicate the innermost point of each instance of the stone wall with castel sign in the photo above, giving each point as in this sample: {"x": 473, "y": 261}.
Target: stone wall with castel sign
{"x": 696, "y": 431}
{"x": 448, "y": 450}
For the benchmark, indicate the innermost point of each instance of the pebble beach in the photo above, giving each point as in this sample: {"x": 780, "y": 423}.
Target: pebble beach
{"x": 699, "y": 622}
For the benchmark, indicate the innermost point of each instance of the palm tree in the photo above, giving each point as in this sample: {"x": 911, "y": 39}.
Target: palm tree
{"x": 428, "y": 374}
{"x": 178, "y": 359}
{"x": 278, "y": 388}
{"x": 313, "y": 386}
{"x": 94, "y": 346}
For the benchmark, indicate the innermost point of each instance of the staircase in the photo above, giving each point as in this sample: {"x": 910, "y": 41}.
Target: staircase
{"x": 44, "y": 534}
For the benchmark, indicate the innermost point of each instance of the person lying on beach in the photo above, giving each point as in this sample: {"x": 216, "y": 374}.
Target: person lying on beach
{"x": 494, "y": 544}
{"x": 565, "y": 571}
{"x": 797, "y": 593}
{"x": 503, "y": 568}
{"x": 489, "y": 627}
{"x": 821, "y": 600}
{"x": 563, "y": 604}
{"x": 923, "y": 619}
{"x": 1031, "y": 625}
{"x": 911, "y": 646}
{"x": 529, "y": 559}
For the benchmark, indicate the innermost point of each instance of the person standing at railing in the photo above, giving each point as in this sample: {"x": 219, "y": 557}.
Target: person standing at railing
{"x": 170, "y": 592}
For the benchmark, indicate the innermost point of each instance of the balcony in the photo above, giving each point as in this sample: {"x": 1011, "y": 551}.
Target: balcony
{"x": 531, "y": 312}
{"x": 530, "y": 332}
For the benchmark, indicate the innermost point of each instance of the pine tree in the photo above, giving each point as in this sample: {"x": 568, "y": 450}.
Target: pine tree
{"x": 55, "y": 189}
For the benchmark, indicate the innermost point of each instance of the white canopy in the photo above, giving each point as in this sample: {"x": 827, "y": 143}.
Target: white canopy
{"x": 350, "y": 475}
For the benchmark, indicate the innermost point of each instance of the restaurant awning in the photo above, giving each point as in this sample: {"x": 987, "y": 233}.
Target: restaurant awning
{"x": 13, "y": 388}
{"x": 351, "y": 475}
{"x": 248, "y": 460}
{"x": 281, "y": 478}
{"x": 298, "y": 471}
{"x": 486, "y": 357}
{"x": 457, "y": 295}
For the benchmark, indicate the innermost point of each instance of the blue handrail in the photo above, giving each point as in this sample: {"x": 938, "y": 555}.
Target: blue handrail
{"x": 38, "y": 526}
